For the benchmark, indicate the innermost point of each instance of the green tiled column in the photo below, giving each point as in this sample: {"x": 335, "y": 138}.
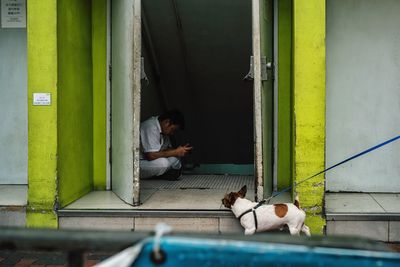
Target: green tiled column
{"x": 42, "y": 120}
{"x": 309, "y": 106}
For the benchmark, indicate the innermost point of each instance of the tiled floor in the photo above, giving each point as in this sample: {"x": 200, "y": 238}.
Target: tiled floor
{"x": 362, "y": 203}
{"x": 173, "y": 195}
{"x": 389, "y": 202}
{"x": 191, "y": 199}
{"x": 197, "y": 181}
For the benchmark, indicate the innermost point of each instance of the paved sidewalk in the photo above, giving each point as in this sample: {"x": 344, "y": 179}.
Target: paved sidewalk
{"x": 45, "y": 259}
{"x": 394, "y": 246}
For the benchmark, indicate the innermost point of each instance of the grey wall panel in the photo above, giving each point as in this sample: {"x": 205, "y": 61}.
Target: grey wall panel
{"x": 13, "y": 107}
{"x": 363, "y": 94}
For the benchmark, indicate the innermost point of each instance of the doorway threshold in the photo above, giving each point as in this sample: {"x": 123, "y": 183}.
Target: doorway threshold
{"x": 192, "y": 204}
{"x": 159, "y": 203}
{"x": 190, "y": 192}
{"x": 190, "y": 195}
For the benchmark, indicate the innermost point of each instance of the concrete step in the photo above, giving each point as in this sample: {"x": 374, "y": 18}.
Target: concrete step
{"x": 371, "y": 215}
{"x": 13, "y": 200}
{"x": 194, "y": 221}
{"x": 386, "y": 231}
{"x": 188, "y": 210}
{"x": 12, "y": 216}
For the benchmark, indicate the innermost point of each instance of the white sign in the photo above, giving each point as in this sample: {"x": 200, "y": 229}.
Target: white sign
{"x": 41, "y": 99}
{"x": 13, "y": 13}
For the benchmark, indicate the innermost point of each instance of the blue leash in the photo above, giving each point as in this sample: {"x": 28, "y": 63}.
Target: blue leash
{"x": 327, "y": 169}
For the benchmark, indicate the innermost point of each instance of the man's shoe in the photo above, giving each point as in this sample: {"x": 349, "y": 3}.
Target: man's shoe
{"x": 171, "y": 175}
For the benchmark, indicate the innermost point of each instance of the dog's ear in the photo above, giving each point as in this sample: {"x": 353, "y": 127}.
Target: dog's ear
{"x": 242, "y": 192}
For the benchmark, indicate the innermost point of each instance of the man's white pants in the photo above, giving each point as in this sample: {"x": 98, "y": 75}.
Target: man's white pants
{"x": 150, "y": 168}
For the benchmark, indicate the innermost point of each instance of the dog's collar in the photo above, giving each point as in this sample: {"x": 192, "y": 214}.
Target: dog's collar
{"x": 253, "y": 209}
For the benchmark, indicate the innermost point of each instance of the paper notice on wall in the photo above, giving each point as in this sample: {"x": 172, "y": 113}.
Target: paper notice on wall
{"x": 13, "y": 13}
{"x": 41, "y": 99}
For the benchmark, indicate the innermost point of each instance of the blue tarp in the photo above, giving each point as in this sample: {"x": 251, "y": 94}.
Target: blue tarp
{"x": 192, "y": 252}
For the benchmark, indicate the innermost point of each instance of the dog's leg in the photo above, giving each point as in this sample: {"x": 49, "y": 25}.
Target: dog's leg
{"x": 306, "y": 230}
{"x": 249, "y": 231}
{"x": 294, "y": 230}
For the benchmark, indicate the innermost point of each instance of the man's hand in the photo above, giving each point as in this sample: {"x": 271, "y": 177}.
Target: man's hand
{"x": 180, "y": 151}
{"x": 183, "y": 150}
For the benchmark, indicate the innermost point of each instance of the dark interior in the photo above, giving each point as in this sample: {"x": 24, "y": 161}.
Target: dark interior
{"x": 196, "y": 53}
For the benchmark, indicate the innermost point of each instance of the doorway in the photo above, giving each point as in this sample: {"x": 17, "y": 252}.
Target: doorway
{"x": 194, "y": 56}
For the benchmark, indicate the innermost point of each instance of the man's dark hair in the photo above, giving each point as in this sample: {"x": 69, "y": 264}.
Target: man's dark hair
{"x": 175, "y": 117}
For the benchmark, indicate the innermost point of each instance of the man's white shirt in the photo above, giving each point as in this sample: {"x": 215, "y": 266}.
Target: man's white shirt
{"x": 151, "y": 138}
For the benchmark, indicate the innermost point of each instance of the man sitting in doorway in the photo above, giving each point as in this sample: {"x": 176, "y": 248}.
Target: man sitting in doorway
{"x": 158, "y": 158}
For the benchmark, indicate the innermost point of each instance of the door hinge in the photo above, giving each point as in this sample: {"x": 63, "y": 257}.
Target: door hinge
{"x": 143, "y": 75}
{"x": 109, "y": 73}
{"x": 110, "y": 155}
{"x": 269, "y": 66}
{"x": 265, "y": 66}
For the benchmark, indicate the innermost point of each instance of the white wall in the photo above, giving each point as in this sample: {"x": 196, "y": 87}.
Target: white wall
{"x": 363, "y": 94}
{"x": 13, "y": 107}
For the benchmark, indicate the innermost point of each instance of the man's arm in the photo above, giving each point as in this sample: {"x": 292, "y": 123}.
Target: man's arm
{"x": 180, "y": 151}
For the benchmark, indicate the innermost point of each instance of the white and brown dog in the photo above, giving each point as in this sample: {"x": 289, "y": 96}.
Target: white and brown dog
{"x": 259, "y": 217}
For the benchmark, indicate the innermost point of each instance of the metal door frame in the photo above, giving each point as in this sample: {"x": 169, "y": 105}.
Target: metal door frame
{"x": 258, "y": 143}
{"x": 137, "y": 98}
{"x": 137, "y": 39}
{"x": 259, "y": 155}
{"x": 258, "y": 148}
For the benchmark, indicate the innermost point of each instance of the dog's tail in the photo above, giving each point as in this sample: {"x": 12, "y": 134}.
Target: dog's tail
{"x": 297, "y": 202}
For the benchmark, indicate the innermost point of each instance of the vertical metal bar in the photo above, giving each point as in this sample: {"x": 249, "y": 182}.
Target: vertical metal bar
{"x": 137, "y": 52}
{"x": 276, "y": 92}
{"x": 75, "y": 258}
{"x": 258, "y": 153}
{"x": 108, "y": 99}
